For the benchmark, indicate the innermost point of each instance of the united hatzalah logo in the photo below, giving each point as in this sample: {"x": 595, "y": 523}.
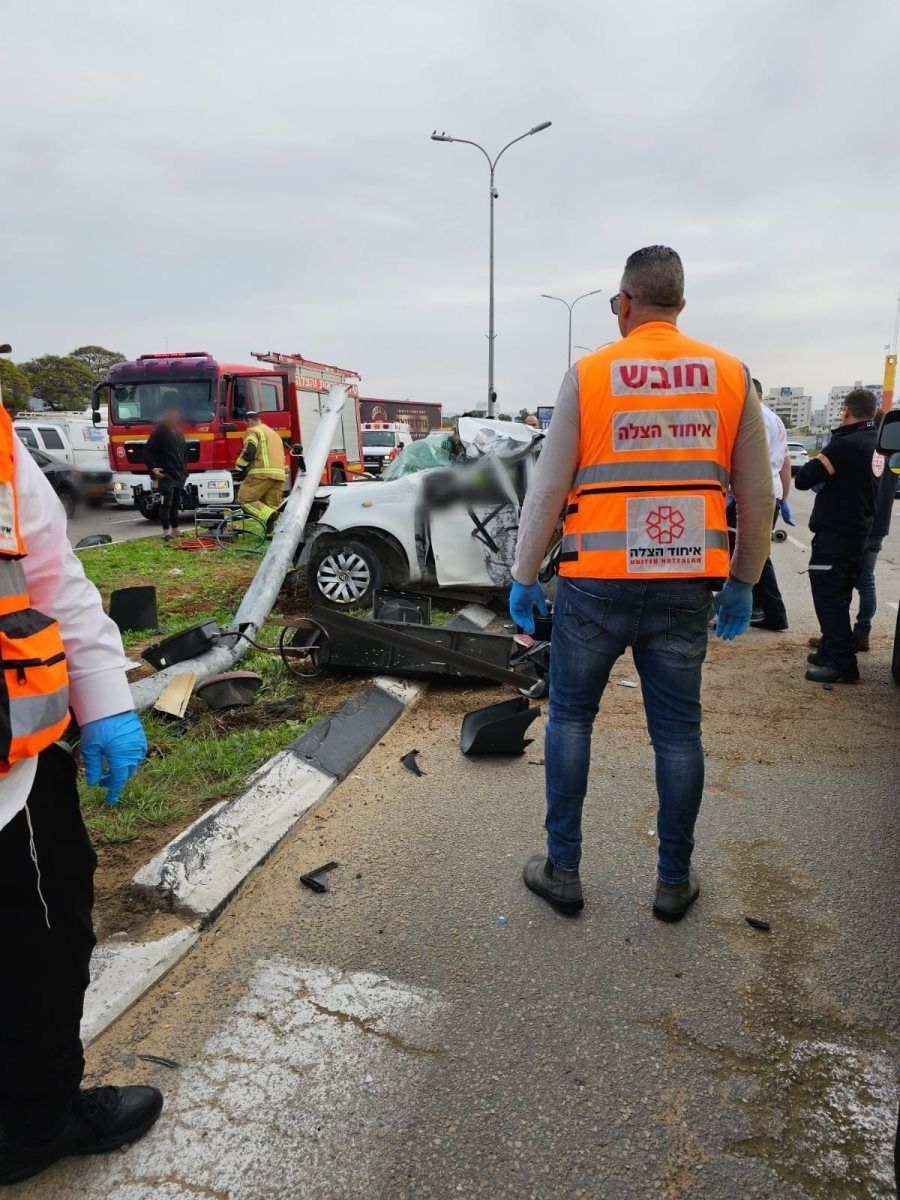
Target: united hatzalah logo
{"x": 665, "y": 524}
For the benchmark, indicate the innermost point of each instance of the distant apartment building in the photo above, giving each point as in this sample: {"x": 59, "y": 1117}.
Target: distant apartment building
{"x": 835, "y": 405}
{"x": 791, "y": 404}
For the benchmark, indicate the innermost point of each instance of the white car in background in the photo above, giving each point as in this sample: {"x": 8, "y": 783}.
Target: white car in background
{"x": 799, "y": 456}
{"x": 445, "y": 514}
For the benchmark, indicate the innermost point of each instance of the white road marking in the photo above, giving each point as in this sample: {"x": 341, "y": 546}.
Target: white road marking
{"x": 796, "y": 542}
{"x": 894, "y": 605}
{"x": 301, "y": 1091}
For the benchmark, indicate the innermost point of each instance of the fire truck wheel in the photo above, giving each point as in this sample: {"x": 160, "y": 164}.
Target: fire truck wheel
{"x": 343, "y": 574}
{"x": 147, "y": 508}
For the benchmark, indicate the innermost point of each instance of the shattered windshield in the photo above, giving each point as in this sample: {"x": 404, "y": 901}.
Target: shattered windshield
{"x": 436, "y": 450}
{"x": 144, "y": 403}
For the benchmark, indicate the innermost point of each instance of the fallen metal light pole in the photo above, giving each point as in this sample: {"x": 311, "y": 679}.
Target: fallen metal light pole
{"x": 266, "y": 584}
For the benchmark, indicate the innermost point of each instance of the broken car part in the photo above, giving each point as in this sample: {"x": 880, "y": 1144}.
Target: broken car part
{"x": 159, "y": 1058}
{"x": 134, "y": 609}
{"x": 401, "y": 607}
{"x": 409, "y": 761}
{"x": 429, "y": 651}
{"x": 317, "y": 880}
{"x": 498, "y": 728}
{"x": 93, "y": 539}
{"x": 758, "y": 923}
{"x": 181, "y": 647}
{"x": 231, "y": 689}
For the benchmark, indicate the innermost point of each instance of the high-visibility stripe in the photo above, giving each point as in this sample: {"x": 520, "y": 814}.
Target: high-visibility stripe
{"x": 31, "y": 714}
{"x": 617, "y": 539}
{"x": 570, "y": 543}
{"x": 12, "y": 579}
{"x": 634, "y": 472}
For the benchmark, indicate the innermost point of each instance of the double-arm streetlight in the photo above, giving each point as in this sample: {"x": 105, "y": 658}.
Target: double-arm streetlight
{"x": 492, "y": 164}
{"x": 569, "y": 306}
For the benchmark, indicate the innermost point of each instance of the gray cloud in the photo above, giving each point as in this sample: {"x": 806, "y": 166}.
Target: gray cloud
{"x": 241, "y": 177}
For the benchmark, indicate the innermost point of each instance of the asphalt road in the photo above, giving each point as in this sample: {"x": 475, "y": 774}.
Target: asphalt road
{"x": 122, "y": 524}
{"x": 428, "y": 1028}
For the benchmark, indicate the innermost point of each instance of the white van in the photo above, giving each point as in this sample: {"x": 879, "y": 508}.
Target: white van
{"x": 74, "y": 440}
{"x": 382, "y": 441}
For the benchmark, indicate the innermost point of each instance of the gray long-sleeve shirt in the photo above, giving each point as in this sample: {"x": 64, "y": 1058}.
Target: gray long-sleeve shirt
{"x": 751, "y": 483}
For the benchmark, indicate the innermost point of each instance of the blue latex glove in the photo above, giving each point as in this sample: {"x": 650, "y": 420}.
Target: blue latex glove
{"x": 734, "y": 605}
{"x": 121, "y": 741}
{"x": 786, "y": 515}
{"x": 523, "y": 599}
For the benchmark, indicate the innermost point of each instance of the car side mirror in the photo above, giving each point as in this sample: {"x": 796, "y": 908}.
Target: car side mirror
{"x": 95, "y": 417}
{"x": 889, "y": 434}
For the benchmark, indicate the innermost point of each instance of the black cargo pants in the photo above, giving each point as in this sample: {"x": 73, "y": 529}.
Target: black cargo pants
{"x": 46, "y": 969}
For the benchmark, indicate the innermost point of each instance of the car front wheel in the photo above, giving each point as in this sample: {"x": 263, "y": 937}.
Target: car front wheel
{"x": 343, "y": 574}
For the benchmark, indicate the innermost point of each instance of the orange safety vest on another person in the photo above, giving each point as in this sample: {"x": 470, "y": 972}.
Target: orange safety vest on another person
{"x": 659, "y": 414}
{"x": 34, "y": 681}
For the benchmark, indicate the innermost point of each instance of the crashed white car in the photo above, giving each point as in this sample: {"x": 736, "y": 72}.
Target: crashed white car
{"x": 445, "y": 514}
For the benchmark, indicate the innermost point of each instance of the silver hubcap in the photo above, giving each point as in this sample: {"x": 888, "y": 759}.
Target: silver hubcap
{"x": 343, "y": 578}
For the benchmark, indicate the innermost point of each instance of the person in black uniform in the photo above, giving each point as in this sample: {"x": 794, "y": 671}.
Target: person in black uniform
{"x": 881, "y": 527}
{"x": 166, "y": 457}
{"x": 845, "y": 483}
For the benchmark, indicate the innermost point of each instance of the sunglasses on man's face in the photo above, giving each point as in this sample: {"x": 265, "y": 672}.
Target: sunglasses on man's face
{"x": 614, "y": 301}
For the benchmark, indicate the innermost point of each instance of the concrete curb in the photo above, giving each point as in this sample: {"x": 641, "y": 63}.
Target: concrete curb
{"x": 205, "y": 867}
{"x": 122, "y": 972}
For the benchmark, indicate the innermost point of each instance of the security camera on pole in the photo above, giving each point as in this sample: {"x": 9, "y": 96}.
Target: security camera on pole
{"x": 492, "y": 164}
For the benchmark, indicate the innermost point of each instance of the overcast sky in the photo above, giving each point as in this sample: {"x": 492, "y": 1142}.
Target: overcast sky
{"x": 236, "y": 176}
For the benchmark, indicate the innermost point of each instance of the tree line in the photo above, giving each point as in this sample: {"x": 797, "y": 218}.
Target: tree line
{"x": 62, "y": 381}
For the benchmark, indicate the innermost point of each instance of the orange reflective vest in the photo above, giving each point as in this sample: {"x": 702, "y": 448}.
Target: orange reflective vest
{"x": 34, "y": 682}
{"x": 659, "y": 414}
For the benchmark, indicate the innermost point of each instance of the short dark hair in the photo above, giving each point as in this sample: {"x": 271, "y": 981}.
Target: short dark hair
{"x": 861, "y": 403}
{"x": 654, "y": 277}
{"x": 758, "y": 387}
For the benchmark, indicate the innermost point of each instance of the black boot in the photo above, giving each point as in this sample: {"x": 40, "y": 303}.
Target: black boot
{"x": 672, "y": 900}
{"x": 105, "y": 1118}
{"x": 560, "y": 888}
{"x": 829, "y": 673}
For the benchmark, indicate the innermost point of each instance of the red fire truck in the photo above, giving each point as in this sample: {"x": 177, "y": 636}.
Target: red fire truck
{"x": 214, "y": 398}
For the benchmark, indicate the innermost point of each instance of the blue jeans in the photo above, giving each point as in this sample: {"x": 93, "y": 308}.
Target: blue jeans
{"x": 865, "y": 585}
{"x": 665, "y": 623}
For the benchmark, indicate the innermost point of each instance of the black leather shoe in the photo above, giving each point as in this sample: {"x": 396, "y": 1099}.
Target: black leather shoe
{"x": 106, "y": 1118}
{"x": 817, "y": 659}
{"x": 831, "y": 674}
{"x": 765, "y": 623}
{"x": 672, "y": 900}
{"x": 560, "y": 888}
{"x": 862, "y": 641}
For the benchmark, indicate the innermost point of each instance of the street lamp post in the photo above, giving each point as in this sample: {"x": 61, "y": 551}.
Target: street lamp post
{"x": 545, "y": 296}
{"x": 492, "y": 164}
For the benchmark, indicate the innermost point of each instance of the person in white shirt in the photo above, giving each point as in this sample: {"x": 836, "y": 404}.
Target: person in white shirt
{"x": 47, "y": 861}
{"x": 769, "y": 611}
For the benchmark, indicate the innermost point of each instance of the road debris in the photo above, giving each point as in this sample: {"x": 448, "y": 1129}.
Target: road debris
{"x": 498, "y": 728}
{"x": 134, "y": 609}
{"x": 173, "y": 699}
{"x": 758, "y": 923}
{"x": 627, "y": 683}
{"x": 409, "y": 761}
{"x": 231, "y": 689}
{"x": 317, "y": 880}
{"x": 160, "y": 1059}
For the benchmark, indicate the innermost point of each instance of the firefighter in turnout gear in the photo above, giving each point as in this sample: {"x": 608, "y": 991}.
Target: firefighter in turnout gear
{"x": 59, "y": 652}
{"x": 647, "y": 435}
{"x": 261, "y": 470}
